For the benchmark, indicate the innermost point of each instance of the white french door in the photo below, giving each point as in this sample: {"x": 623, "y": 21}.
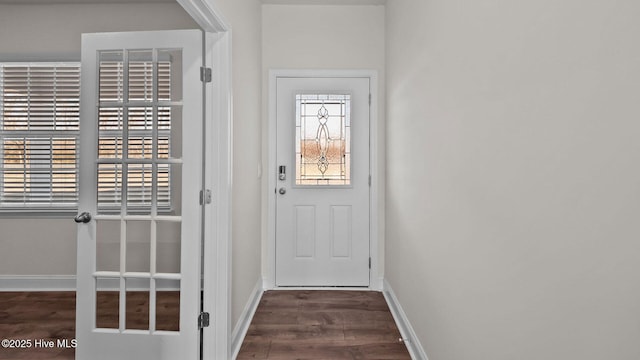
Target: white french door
{"x": 139, "y": 231}
{"x": 322, "y": 185}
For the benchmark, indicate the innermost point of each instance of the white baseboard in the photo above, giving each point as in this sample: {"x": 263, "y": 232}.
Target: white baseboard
{"x": 37, "y": 282}
{"x": 406, "y": 330}
{"x": 241, "y": 328}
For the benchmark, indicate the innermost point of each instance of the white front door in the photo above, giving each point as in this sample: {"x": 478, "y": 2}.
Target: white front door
{"x": 138, "y": 267}
{"x": 322, "y": 193}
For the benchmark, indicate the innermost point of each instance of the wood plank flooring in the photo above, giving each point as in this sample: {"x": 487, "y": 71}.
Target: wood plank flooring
{"x": 37, "y": 315}
{"x": 287, "y": 324}
{"x": 323, "y": 325}
{"x": 51, "y": 315}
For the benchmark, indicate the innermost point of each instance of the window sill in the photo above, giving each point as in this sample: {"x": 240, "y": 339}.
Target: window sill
{"x": 38, "y": 213}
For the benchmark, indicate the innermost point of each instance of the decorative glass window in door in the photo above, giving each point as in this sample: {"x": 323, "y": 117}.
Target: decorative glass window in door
{"x": 323, "y": 139}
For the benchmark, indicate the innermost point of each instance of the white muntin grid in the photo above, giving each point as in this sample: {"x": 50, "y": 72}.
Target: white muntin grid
{"x": 131, "y": 199}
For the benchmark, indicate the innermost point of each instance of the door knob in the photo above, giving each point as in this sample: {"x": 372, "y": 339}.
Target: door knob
{"x": 282, "y": 191}
{"x": 84, "y": 218}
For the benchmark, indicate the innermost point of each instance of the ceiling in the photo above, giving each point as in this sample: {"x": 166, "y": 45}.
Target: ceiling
{"x": 44, "y": 2}
{"x": 325, "y": 2}
{"x": 284, "y": 2}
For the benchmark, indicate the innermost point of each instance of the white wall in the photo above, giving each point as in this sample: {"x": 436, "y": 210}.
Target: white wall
{"x": 52, "y": 32}
{"x": 34, "y": 32}
{"x": 513, "y": 176}
{"x": 322, "y": 37}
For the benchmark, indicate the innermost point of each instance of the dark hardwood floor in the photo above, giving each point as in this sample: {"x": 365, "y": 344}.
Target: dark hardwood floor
{"x": 37, "y": 315}
{"x": 51, "y": 316}
{"x": 323, "y": 325}
{"x": 287, "y": 324}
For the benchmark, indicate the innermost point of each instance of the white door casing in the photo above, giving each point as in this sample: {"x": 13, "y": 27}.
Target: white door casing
{"x": 322, "y": 220}
{"x": 184, "y": 153}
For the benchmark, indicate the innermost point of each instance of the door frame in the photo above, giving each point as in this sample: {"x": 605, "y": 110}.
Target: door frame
{"x": 217, "y": 221}
{"x": 218, "y": 155}
{"x": 375, "y": 282}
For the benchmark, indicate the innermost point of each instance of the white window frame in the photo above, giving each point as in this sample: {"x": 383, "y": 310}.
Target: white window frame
{"x": 26, "y": 207}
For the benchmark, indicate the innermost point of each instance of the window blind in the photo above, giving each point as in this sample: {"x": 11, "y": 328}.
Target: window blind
{"x": 39, "y": 126}
{"x": 137, "y": 103}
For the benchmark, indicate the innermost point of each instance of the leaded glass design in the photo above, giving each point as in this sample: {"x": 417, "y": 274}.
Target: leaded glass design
{"x": 323, "y": 139}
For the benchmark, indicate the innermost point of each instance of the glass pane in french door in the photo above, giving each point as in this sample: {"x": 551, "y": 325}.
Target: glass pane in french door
{"x": 139, "y": 171}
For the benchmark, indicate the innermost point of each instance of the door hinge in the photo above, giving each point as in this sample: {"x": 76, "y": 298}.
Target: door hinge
{"x": 369, "y": 180}
{"x": 203, "y": 320}
{"x": 369, "y": 99}
{"x": 205, "y": 197}
{"x": 205, "y": 74}
{"x": 369, "y": 263}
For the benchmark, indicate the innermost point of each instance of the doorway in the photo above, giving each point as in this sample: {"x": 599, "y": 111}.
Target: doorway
{"x": 320, "y": 175}
{"x": 212, "y": 217}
